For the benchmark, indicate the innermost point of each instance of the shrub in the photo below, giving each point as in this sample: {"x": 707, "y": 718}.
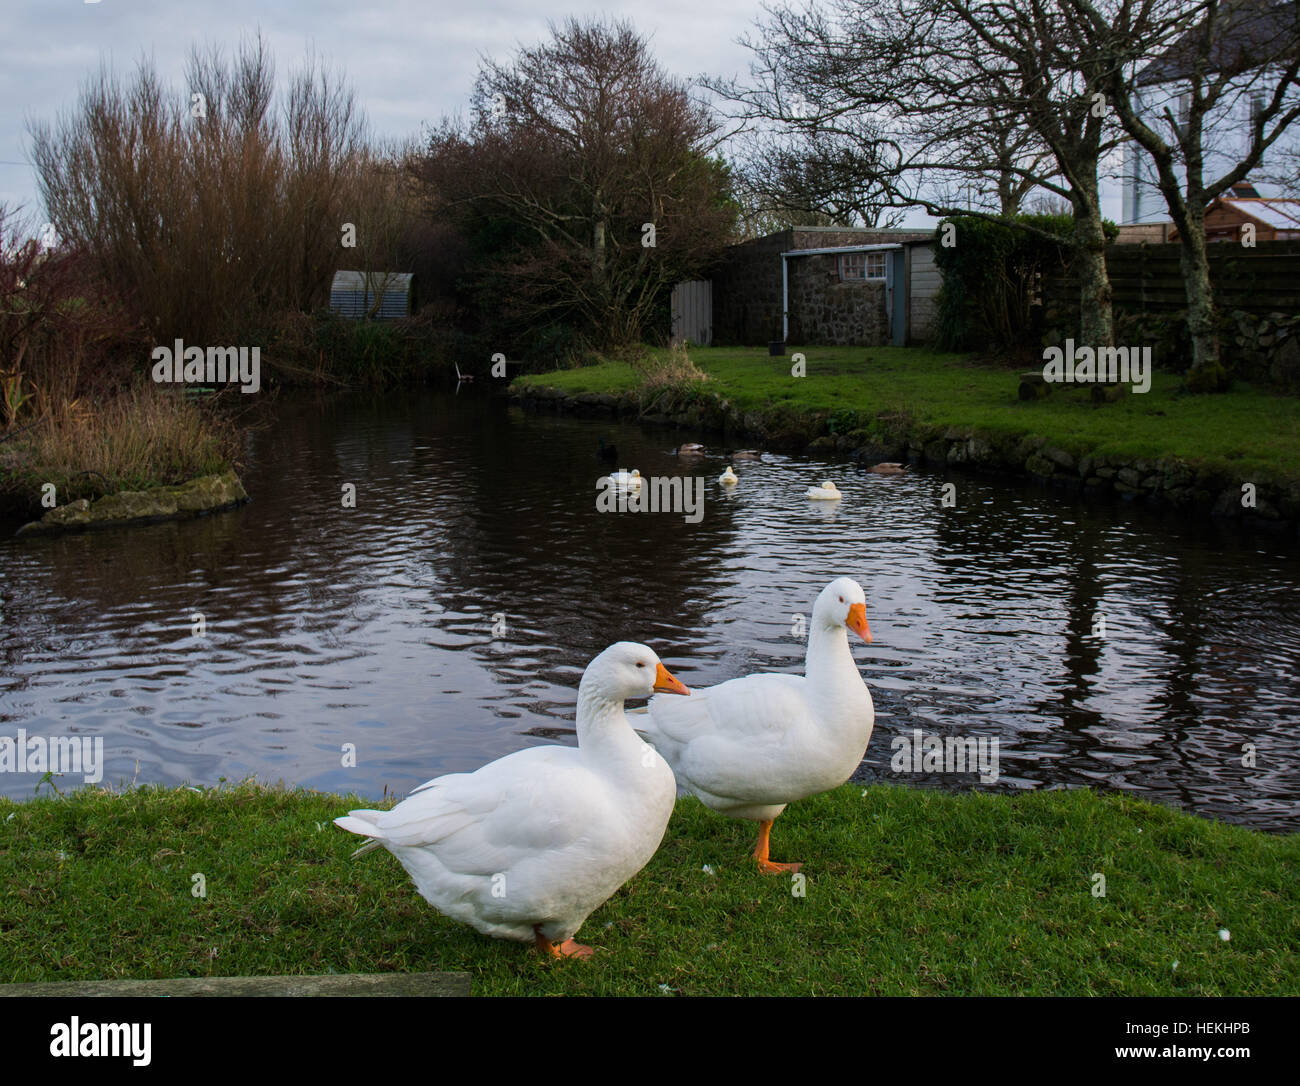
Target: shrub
{"x": 204, "y": 224}
{"x": 659, "y": 370}
{"x": 991, "y": 277}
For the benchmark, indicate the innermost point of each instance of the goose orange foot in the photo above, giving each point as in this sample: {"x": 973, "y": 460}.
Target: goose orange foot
{"x": 766, "y": 866}
{"x": 567, "y": 949}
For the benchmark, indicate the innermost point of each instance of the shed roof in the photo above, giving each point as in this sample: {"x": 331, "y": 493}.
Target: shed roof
{"x": 879, "y": 247}
{"x": 387, "y": 281}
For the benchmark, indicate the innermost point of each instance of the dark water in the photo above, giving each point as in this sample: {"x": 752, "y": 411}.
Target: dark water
{"x": 374, "y": 626}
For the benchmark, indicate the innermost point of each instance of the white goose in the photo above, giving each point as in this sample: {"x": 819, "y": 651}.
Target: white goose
{"x": 528, "y": 846}
{"x": 728, "y": 477}
{"x": 750, "y": 746}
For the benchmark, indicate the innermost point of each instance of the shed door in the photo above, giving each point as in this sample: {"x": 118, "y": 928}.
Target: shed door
{"x": 896, "y": 295}
{"x": 692, "y": 311}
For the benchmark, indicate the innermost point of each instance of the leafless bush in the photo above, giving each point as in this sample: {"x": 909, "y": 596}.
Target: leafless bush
{"x": 672, "y": 369}
{"x": 209, "y": 209}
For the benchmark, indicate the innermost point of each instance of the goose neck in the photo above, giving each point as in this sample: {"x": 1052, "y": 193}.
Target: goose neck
{"x": 829, "y": 658}
{"x": 602, "y": 726}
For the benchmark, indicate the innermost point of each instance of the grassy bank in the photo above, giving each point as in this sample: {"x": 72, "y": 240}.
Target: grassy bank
{"x": 1246, "y": 430}
{"x": 908, "y": 892}
{"x": 133, "y": 440}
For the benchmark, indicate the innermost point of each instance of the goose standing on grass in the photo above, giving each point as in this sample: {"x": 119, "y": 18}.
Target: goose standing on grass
{"x": 827, "y": 492}
{"x": 728, "y": 477}
{"x": 530, "y": 845}
{"x": 750, "y": 746}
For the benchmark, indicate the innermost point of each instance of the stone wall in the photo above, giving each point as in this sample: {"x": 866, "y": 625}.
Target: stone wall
{"x": 825, "y": 310}
{"x": 747, "y": 284}
{"x": 747, "y": 291}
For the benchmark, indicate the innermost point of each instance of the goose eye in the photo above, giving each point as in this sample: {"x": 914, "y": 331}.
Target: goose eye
{"x": 640, "y": 664}
{"x": 841, "y": 599}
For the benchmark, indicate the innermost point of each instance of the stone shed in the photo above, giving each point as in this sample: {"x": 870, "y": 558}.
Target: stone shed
{"x": 812, "y": 284}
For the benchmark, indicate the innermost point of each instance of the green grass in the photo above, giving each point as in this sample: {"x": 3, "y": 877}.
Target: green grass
{"x": 1244, "y": 431}
{"x": 908, "y": 892}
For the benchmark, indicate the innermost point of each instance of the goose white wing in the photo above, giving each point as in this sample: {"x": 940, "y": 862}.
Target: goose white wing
{"x": 748, "y": 708}
{"x": 533, "y": 801}
{"x": 734, "y": 739}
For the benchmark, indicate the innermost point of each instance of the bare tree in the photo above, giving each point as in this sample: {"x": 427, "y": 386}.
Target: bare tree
{"x": 209, "y": 209}
{"x": 954, "y": 106}
{"x": 593, "y": 170}
{"x": 1229, "y": 61}
{"x": 810, "y": 178}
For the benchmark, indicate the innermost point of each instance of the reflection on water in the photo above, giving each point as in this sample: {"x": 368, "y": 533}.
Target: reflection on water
{"x": 374, "y": 626}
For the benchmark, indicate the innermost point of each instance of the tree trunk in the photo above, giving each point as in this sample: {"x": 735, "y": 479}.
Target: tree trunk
{"x": 1206, "y": 373}
{"x": 598, "y": 253}
{"x": 1096, "y": 318}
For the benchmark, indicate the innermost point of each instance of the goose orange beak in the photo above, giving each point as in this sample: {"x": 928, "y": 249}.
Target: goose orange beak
{"x": 857, "y": 621}
{"x": 665, "y": 683}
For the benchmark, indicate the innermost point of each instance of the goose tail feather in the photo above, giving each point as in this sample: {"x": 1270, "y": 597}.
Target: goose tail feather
{"x": 357, "y": 822}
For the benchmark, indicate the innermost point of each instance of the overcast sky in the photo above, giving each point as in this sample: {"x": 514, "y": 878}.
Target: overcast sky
{"x": 409, "y": 62}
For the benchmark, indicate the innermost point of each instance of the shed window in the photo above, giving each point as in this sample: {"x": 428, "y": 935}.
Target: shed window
{"x": 859, "y": 266}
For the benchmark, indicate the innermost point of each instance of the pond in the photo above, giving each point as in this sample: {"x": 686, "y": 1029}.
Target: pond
{"x": 445, "y": 620}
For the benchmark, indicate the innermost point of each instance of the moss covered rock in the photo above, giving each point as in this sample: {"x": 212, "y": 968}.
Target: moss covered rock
{"x": 203, "y": 495}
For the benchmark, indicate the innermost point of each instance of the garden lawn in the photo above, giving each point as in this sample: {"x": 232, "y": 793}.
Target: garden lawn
{"x": 907, "y": 892}
{"x": 1243, "y": 432}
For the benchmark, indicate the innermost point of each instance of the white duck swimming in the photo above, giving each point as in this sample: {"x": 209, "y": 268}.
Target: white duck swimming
{"x": 528, "y": 846}
{"x": 728, "y": 477}
{"x": 827, "y": 492}
{"x": 750, "y": 746}
{"x": 627, "y": 480}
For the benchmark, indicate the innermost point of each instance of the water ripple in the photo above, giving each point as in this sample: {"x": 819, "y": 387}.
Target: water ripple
{"x": 381, "y": 626}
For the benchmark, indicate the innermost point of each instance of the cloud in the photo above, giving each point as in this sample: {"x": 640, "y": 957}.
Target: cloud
{"x": 409, "y": 62}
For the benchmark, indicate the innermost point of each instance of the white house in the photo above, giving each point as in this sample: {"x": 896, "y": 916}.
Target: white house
{"x": 1248, "y": 30}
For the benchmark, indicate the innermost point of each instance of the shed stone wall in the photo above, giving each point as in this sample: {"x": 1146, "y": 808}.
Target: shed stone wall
{"x": 747, "y": 284}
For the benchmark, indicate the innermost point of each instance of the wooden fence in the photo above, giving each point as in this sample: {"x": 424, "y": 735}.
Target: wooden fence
{"x": 1149, "y": 278}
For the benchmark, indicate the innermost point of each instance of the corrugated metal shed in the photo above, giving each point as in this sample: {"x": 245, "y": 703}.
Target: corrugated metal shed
{"x": 378, "y": 295}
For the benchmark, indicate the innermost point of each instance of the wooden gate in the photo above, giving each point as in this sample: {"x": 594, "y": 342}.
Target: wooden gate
{"x": 692, "y": 312}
